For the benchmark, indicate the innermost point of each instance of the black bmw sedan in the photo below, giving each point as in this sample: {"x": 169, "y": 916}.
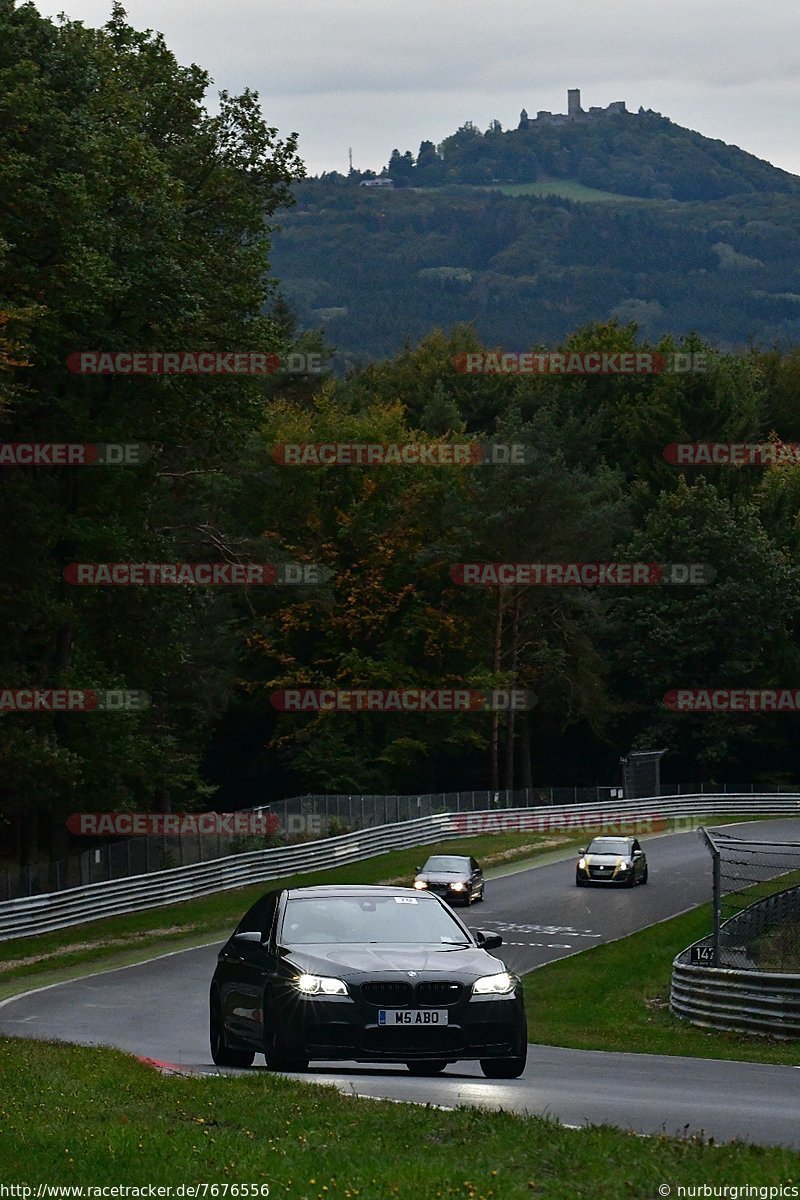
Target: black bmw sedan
{"x": 456, "y": 878}
{"x": 370, "y": 974}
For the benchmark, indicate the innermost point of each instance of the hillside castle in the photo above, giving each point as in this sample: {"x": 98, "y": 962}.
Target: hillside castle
{"x": 574, "y": 111}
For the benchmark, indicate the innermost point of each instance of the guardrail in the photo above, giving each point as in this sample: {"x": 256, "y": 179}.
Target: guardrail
{"x": 57, "y": 910}
{"x": 741, "y": 999}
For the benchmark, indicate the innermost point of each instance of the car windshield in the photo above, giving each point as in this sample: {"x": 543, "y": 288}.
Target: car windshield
{"x": 608, "y": 846}
{"x": 445, "y": 862}
{"x": 369, "y": 919}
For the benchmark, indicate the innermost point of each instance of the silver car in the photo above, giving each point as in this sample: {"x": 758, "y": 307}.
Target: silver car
{"x": 455, "y": 877}
{"x": 619, "y": 860}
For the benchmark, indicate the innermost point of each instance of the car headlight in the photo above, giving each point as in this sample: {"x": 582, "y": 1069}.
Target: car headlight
{"x": 581, "y": 864}
{"x": 420, "y": 884}
{"x": 494, "y": 985}
{"x": 624, "y": 867}
{"x": 314, "y": 985}
{"x": 458, "y": 886}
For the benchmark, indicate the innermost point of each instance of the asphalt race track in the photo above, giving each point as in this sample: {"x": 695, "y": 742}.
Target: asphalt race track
{"x": 159, "y": 1010}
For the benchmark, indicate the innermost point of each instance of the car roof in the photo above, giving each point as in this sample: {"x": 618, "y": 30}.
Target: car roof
{"x": 322, "y": 890}
{"x": 612, "y": 838}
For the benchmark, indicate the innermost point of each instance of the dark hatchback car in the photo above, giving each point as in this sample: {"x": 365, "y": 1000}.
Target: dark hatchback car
{"x": 619, "y": 860}
{"x": 454, "y": 877}
{"x": 370, "y": 974}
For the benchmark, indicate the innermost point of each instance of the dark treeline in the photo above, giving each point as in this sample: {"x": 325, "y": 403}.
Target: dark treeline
{"x": 154, "y": 234}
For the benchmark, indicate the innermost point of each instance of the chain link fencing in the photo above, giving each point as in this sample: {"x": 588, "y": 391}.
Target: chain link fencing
{"x": 301, "y": 819}
{"x": 755, "y": 903}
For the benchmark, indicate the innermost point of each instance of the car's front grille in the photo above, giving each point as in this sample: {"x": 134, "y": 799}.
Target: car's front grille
{"x": 388, "y": 992}
{"x": 428, "y": 993}
{"x": 436, "y": 993}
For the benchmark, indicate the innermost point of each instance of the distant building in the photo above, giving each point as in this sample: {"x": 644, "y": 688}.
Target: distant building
{"x": 574, "y": 111}
{"x": 377, "y": 183}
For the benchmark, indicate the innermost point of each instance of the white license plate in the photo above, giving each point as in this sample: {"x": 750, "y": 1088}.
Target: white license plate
{"x": 412, "y": 1016}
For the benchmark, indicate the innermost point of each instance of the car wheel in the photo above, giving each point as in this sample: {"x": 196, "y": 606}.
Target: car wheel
{"x": 221, "y": 1055}
{"x": 632, "y": 881}
{"x": 644, "y": 876}
{"x": 277, "y": 1054}
{"x": 504, "y": 1068}
{"x": 278, "y": 1058}
{"x": 432, "y": 1067}
{"x": 579, "y": 882}
{"x": 480, "y": 894}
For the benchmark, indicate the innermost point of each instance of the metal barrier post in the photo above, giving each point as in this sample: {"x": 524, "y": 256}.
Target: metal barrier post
{"x": 716, "y": 893}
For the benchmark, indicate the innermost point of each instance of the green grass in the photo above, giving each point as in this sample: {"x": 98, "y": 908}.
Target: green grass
{"x": 118, "y": 941}
{"x": 779, "y": 949}
{"x": 91, "y": 1117}
{"x": 616, "y": 997}
{"x": 569, "y": 189}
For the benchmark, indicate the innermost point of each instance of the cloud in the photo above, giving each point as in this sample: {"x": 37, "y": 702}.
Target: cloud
{"x": 373, "y": 74}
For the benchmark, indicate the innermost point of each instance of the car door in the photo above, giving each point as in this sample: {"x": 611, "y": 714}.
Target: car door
{"x": 638, "y": 859}
{"x": 476, "y": 878}
{"x": 246, "y": 958}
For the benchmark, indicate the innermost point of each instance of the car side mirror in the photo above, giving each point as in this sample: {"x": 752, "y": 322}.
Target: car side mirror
{"x": 488, "y": 941}
{"x": 249, "y": 935}
{"x": 582, "y": 850}
{"x": 418, "y": 869}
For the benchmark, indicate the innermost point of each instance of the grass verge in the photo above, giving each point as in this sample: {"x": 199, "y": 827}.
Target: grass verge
{"x": 616, "y": 997}
{"x": 92, "y": 1117}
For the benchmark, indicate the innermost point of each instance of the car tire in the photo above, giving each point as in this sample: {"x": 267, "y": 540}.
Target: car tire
{"x": 632, "y": 881}
{"x": 644, "y": 876}
{"x": 277, "y": 1055}
{"x": 479, "y": 897}
{"x": 221, "y": 1054}
{"x": 580, "y": 882}
{"x": 433, "y": 1066}
{"x": 278, "y": 1058}
{"x": 504, "y": 1068}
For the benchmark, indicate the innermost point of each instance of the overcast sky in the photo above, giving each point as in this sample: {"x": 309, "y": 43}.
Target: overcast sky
{"x": 379, "y": 74}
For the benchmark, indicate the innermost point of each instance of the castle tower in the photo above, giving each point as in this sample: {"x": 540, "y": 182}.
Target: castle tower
{"x": 574, "y": 102}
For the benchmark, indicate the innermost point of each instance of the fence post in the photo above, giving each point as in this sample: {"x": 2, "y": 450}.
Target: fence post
{"x": 716, "y": 893}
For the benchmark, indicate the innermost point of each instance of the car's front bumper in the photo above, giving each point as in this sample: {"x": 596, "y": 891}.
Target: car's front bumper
{"x": 339, "y": 1028}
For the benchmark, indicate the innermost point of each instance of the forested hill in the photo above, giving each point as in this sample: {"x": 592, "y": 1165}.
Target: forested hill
{"x": 378, "y": 268}
{"x": 633, "y": 154}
